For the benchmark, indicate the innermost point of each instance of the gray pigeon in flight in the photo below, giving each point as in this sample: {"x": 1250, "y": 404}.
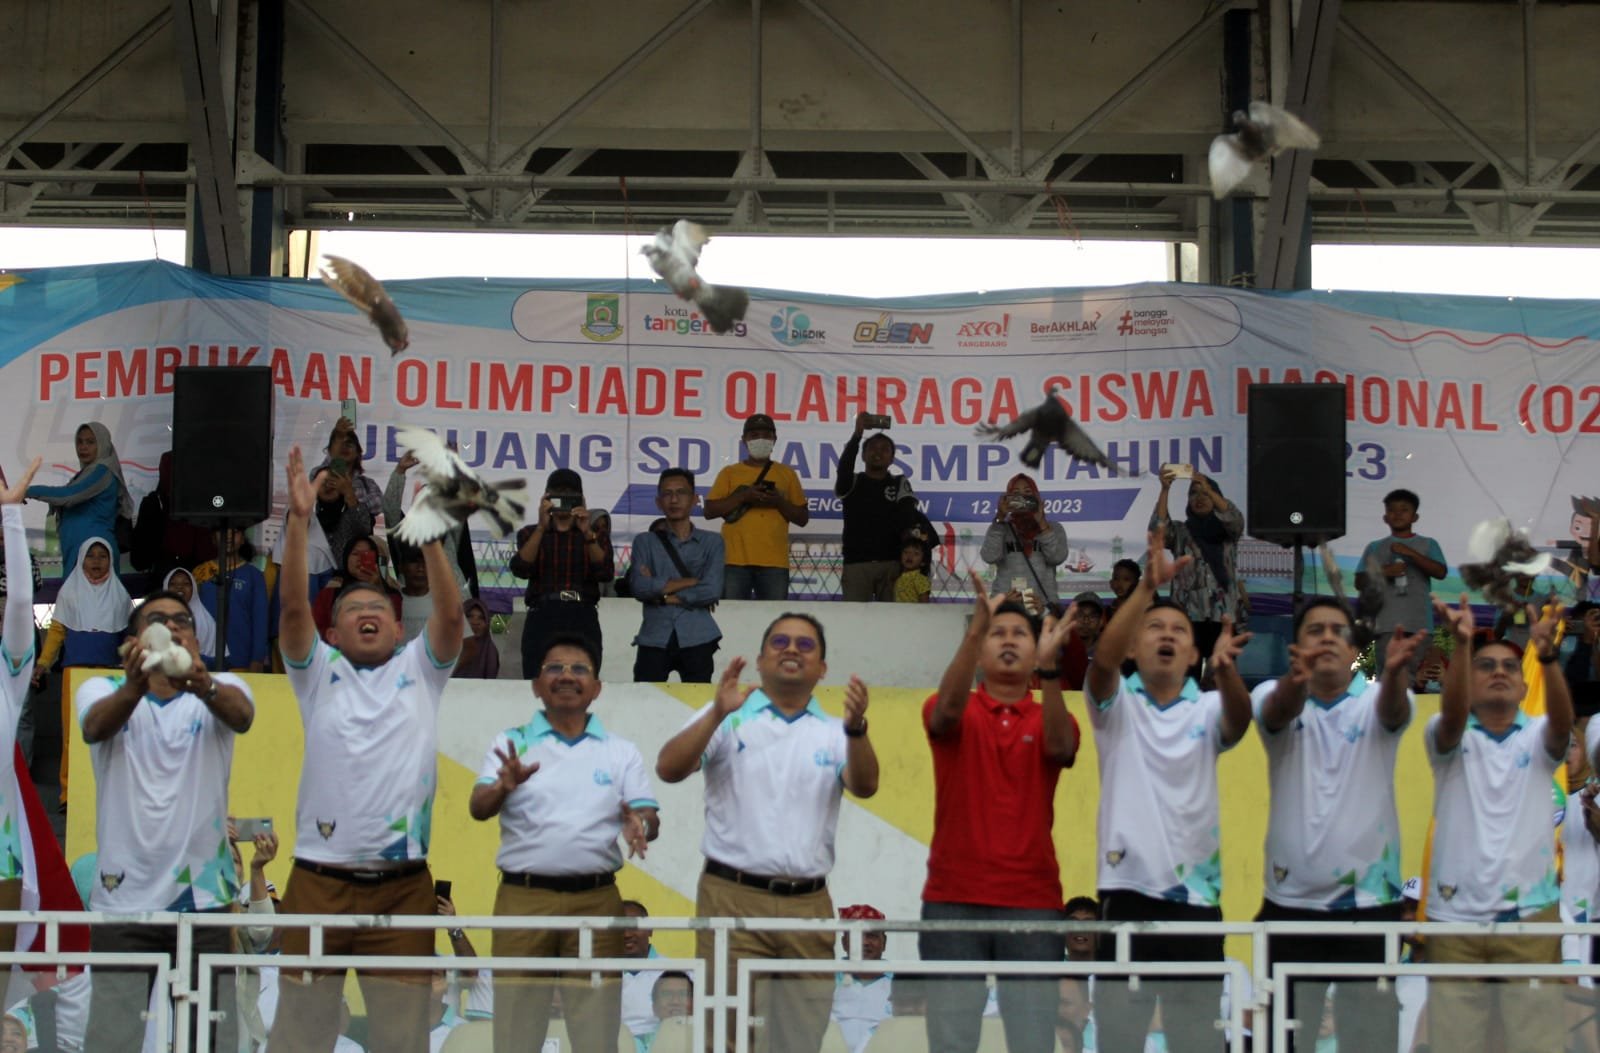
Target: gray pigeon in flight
{"x": 452, "y": 492}
{"x": 351, "y": 280}
{"x": 1046, "y": 424}
{"x": 674, "y": 254}
{"x": 1498, "y": 555}
{"x": 1265, "y": 131}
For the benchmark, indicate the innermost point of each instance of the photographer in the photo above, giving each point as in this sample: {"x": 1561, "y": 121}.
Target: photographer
{"x": 1023, "y": 545}
{"x": 564, "y": 561}
{"x": 880, "y": 513}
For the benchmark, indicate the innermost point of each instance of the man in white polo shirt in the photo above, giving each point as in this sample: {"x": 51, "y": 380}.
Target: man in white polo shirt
{"x": 1333, "y": 836}
{"x": 1493, "y": 850}
{"x": 775, "y": 767}
{"x": 564, "y": 788}
{"x": 365, "y": 811}
{"x": 162, "y": 750}
{"x": 1158, "y": 738}
{"x": 15, "y": 674}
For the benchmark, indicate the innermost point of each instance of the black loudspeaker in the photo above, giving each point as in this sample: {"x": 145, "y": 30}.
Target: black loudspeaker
{"x": 222, "y": 444}
{"x": 1296, "y": 438}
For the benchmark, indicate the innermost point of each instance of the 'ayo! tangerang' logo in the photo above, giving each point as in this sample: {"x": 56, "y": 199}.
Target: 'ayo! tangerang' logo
{"x": 602, "y": 319}
{"x": 792, "y": 327}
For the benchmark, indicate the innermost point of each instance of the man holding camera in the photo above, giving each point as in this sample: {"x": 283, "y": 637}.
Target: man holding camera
{"x": 880, "y": 513}
{"x": 565, "y": 561}
{"x": 757, "y": 499}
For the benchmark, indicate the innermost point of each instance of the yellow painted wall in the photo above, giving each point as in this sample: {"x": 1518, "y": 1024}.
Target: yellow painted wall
{"x": 266, "y": 773}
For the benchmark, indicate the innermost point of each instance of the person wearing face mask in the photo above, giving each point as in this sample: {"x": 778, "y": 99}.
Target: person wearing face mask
{"x": 757, "y": 500}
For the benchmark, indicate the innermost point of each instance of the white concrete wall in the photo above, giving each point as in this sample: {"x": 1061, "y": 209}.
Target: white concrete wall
{"x": 889, "y": 645}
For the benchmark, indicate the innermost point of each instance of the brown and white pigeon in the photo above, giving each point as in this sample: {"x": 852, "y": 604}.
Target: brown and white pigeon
{"x": 1265, "y": 131}
{"x": 351, "y": 280}
{"x": 1498, "y": 556}
{"x": 1046, "y": 424}
{"x": 453, "y": 492}
{"x": 674, "y": 254}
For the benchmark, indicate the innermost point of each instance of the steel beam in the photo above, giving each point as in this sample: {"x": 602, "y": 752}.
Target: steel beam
{"x": 139, "y": 38}
{"x": 1285, "y": 234}
{"x": 905, "y": 87}
{"x": 1529, "y": 93}
{"x": 210, "y": 141}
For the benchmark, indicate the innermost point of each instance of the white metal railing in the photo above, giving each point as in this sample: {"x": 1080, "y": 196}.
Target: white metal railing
{"x": 189, "y": 990}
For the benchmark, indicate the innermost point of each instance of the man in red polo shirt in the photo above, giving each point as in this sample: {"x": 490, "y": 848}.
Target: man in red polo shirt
{"x": 996, "y": 757}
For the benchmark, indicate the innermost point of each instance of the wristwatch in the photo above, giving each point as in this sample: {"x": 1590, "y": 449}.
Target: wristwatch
{"x": 856, "y": 732}
{"x": 211, "y": 692}
{"x": 456, "y": 934}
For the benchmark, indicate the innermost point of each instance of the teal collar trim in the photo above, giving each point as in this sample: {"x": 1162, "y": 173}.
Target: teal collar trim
{"x": 1358, "y": 684}
{"x": 1190, "y": 692}
{"x": 758, "y": 702}
{"x": 1474, "y": 724}
{"x": 539, "y": 727}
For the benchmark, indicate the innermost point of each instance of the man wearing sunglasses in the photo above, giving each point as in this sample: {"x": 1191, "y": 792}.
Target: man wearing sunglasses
{"x": 1333, "y": 832}
{"x": 162, "y": 750}
{"x": 365, "y": 810}
{"x": 1493, "y": 853}
{"x": 775, "y": 766}
{"x": 565, "y": 789}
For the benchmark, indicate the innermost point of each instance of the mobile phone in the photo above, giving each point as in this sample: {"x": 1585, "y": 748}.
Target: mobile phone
{"x": 441, "y": 889}
{"x": 339, "y": 466}
{"x": 347, "y": 410}
{"x": 1179, "y": 471}
{"x": 250, "y": 829}
{"x": 877, "y": 420}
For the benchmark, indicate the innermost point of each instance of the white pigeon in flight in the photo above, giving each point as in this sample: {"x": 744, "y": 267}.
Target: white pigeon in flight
{"x": 1265, "y": 131}
{"x": 452, "y": 492}
{"x": 674, "y": 254}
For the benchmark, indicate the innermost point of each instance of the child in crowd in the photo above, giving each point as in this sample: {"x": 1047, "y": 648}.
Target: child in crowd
{"x": 1410, "y": 564}
{"x": 912, "y": 585}
{"x": 248, "y": 604}
{"x": 1125, "y": 575}
{"x": 182, "y": 583}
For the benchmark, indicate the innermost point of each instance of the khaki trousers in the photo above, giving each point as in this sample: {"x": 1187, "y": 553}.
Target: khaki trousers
{"x": 593, "y": 1012}
{"x": 1460, "y": 1011}
{"x": 792, "y": 1010}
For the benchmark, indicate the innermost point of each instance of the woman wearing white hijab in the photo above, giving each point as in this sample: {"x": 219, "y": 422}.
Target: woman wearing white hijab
{"x": 182, "y": 582}
{"x": 88, "y": 506}
{"x": 90, "y": 622}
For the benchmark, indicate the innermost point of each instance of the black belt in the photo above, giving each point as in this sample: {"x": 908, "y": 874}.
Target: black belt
{"x": 776, "y": 885}
{"x": 363, "y": 877}
{"x": 559, "y": 882}
{"x": 564, "y": 596}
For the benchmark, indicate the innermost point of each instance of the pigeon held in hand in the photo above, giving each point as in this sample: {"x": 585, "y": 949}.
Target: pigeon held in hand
{"x": 352, "y": 281}
{"x": 1265, "y": 131}
{"x": 1046, "y": 424}
{"x": 453, "y": 492}
{"x": 674, "y": 253}
{"x": 1498, "y": 556}
{"x": 162, "y": 653}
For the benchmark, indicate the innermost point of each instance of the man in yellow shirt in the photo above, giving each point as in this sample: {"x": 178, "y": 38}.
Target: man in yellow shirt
{"x": 757, "y": 498}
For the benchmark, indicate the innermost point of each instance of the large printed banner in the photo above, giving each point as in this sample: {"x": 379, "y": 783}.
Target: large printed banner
{"x": 1483, "y": 406}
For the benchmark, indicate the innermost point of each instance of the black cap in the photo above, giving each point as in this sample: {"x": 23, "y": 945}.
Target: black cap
{"x": 759, "y": 422}
{"x": 1083, "y": 599}
{"x": 564, "y": 481}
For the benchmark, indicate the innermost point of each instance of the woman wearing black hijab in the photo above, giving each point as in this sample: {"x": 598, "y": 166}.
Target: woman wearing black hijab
{"x": 1208, "y": 587}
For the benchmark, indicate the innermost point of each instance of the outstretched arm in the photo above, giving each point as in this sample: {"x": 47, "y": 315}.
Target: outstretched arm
{"x": 1455, "y": 698}
{"x": 1235, "y": 696}
{"x": 680, "y": 757}
{"x": 955, "y": 686}
{"x": 447, "y": 622}
{"x": 297, "y": 631}
{"x": 17, "y": 637}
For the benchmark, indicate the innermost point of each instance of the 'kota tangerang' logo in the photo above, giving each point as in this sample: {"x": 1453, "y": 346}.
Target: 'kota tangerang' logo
{"x": 602, "y": 318}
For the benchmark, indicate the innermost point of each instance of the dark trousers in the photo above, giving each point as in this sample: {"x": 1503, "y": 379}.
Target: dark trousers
{"x": 552, "y": 618}
{"x": 1189, "y": 1007}
{"x": 693, "y": 665}
{"x": 955, "y": 1003}
{"x": 1364, "y": 1017}
{"x": 120, "y": 997}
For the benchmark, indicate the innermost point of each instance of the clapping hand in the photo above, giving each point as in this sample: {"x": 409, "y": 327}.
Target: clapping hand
{"x": 855, "y": 702}
{"x": 14, "y": 495}
{"x": 730, "y": 696}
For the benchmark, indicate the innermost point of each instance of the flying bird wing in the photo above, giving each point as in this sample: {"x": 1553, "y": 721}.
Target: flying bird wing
{"x": 352, "y": 281}
{"x": 437, "y": 460}
{"x": 1023, "y": 423}
{"x": 1227, "y": 164}
{"x": 1076, "y": 441}
{"x": 1486, "y": 539}
{"x": 428, "y": 519}
{"x": 1282, "y": 129}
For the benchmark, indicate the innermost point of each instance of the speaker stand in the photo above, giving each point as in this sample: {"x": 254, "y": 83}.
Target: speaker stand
{"x": 1299, "y": 595}
{"x": 224, "y": 593}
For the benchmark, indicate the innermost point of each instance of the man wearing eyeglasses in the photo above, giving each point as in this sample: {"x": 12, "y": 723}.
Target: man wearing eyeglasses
{"x": 677, "y": 574}
{"x": 1493, "y": 852}
{"x": 365, "y": 812}
{"x": 162, "y": 750}
{"x": 1333, "y": 832}
{"x": 565, "y": 789}
{"x": 775, "y": 767}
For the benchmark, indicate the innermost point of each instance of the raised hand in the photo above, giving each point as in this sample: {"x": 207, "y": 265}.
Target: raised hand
{"x": 1054, "y": 633}
{"x": 513, "y": 772}
{"x": 730, "y": 696}
{"x": 635, "y": 832}
{"x": 302, "y": 491}
{"x": 14, "y": 495}
{"x": 1300, "y": 659}
{"x": 406, "y": 463}
{"x": 1402, "y": 646}
{"x": 1230, "y": 645}
{"x": 133, "y": 674}
{"x": 855, "y": 702}
{"x": 1459, "y": 619}
{"x": 1542, "y": 626}
{"x": 266, "y": 845}
{"x": 1162, "y": 568}
{"x": 984, "y": 605}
